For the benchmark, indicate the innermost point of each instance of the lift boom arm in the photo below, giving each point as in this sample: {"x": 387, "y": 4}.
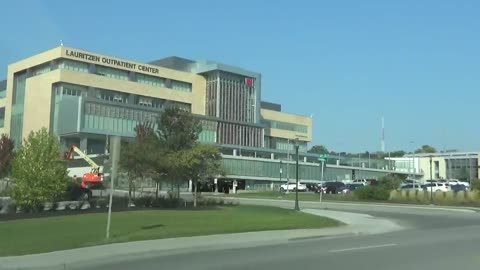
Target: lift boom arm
{"x": 73, "y": 148}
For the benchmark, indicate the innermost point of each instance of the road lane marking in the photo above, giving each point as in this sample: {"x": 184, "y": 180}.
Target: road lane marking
{"x": 360, "y": 248}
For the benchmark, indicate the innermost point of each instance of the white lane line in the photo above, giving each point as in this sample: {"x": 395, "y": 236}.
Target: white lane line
{"x": 360, "y": 248}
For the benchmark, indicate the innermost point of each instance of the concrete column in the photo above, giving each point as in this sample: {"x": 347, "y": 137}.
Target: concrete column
{"x": 272, "y": 156}
{"x": 215, "y": 182}
{"x": 235, "y": 183}
{"x": 234, "y": 152}
{"x": 338, "y": 162}
{"x": 304, "y": 159}
{"x": 190, "y": 186}
{"x": 271, "y": 186}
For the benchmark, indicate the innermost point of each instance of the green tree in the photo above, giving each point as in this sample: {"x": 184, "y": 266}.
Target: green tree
{"x": 177, "y": 132}
{"x": 178, "y": 129}
{"x": 138, "y": 158}
{"x": 399, "y": 153}
{"x": 6, "y": 155}
{"x": 201, "y": 163}
{"x": 318, "y": 149}
{"x": 426, "y": 149}
{"x": 37, "y": 171}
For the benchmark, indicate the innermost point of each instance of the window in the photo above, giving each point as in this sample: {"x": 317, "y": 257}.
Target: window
{"x": 73, "y": 65}
{"x": 3, "y": 93}
{"x": 150, "y": 80}
{"x": 181, "y": 86}
{"x": 112, "y": 73}
{"x": 286, "y": 126}
{"x": 70, "y": 90}
{"x": 112, "y": 96}
{"x": 41, "y": 69}
{"x": 2, "y": 116}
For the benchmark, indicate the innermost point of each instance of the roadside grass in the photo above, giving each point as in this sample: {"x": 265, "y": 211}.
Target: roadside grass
{"x": 37, "y": 235}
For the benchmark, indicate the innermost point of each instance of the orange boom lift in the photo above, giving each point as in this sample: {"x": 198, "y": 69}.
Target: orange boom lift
{"x": 94, "y": 177}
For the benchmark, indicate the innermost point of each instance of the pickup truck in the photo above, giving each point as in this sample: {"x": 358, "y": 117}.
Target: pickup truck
{"x": 292, "y": 187}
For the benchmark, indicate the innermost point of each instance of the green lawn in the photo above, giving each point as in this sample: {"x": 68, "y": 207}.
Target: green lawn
{"x": 38, "y": 235}
{"x": 302, "y": 196}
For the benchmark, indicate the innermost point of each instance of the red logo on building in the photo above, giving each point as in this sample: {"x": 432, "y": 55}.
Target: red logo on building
{"x": 249, "y": 82}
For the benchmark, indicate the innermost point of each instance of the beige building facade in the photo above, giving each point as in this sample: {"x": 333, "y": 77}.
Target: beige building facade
{"x": 84, "y": 97}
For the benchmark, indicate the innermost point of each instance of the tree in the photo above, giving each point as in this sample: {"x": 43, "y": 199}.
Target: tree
{"x": 318, "y": 149}
{"x": 139, "y": 156}
{"x": 37, "y": 171}
{"x": 177, "y": 131}
{"x": 202, "y": 162}
{"x": 426, "y": 149}
{"x": 6, "y": 155}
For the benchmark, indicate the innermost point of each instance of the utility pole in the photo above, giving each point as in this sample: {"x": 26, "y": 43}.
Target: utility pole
{"x": 297, "y": 207}
{"x": 114, "y": 157}
{"x": 431, "y": 183}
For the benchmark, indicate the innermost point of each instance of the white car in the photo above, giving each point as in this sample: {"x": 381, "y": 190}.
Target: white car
{"x": 292, "y": 187}
{"x": 361, "y": 181}
{"x": 444, "y": 187}
{"x": 452, "y": 182}
{"x": 411, "y": 187}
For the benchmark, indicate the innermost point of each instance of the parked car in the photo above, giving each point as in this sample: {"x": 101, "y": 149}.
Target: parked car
{"x": 458, "y": 187}
{"x": 437, "y": 187}
{"x": 411, "y": 187}
{"x": 453, "y": 182}
{"x": 292, "y": 187}
{"x": 361, "y": 181}
{"x": 410, "y": 182}
{"x": 334, "y": 187}
{"x": 352, "y": 187}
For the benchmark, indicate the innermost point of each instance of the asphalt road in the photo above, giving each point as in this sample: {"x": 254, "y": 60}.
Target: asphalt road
{"x": 433, "y": 239}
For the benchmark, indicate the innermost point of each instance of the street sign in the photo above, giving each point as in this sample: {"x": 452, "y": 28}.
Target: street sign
{"x": 323, "y": 156}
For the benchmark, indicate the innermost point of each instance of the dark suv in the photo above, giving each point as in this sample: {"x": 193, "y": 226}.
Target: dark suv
{"x": 334, "y": 187}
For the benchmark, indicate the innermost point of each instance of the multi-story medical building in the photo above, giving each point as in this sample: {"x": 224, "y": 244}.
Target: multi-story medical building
{"x": 85, "y": 97}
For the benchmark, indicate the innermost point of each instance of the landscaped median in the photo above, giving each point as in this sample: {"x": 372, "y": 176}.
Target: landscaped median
{"x": 44, "y": 234}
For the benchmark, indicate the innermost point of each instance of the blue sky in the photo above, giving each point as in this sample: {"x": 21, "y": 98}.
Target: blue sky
{"x": 417, "y": 63}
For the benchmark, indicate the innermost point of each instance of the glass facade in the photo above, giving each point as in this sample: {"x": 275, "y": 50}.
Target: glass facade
{"x": 286, "y": 126}
{"x": 271, "y": 169}
{"x": 2, "y": 116}
{"x": 41, "y": 69}
{"x": 462, "y": 168}
{"x": 209, "y": 131}
{"x": 284, "y": 144}
{"x": 150, "y": 80}
{"x": 181, "y": 86}
{"x": 73, "y": 65}
{"x": 16, "y": 121}
{"x": 113, "y": 73}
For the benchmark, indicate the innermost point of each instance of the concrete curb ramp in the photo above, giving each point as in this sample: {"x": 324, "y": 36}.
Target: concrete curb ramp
{"x": 96, "y": 255}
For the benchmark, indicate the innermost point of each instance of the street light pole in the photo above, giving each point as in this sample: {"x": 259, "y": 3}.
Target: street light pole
{"x": 431, "y": 183}
{"x": 321, "y": 180}
{"x": 297, "y": 207}
{"x": 281, "y": 173}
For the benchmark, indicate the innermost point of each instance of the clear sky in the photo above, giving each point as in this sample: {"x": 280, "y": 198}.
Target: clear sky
{"x": 416, "y": 62}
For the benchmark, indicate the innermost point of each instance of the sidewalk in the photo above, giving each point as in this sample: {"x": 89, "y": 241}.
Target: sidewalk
{"x": 93, "y": 256}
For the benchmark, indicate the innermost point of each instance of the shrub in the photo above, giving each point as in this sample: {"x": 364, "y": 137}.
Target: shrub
{"x": 377, "y": 193}
{"x": 476, "y": 184}
{"x": 144, "y": 201}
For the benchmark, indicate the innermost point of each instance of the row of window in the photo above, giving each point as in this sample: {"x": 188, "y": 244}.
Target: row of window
{"x": 119, "y": 112}
{"x": 115, "y": 96}
{"x": 114, "y": 73}
{"x": 286, "y": 126}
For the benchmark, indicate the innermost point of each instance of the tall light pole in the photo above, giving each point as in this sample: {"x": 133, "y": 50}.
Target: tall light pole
{"x": 281, "y": 173}
{"x": 431, "y": 183}
{"x": 297, "y": 207}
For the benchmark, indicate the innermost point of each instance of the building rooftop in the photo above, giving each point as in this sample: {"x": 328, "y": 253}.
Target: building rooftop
{"x": 175, "y": 62}
{"x": 271, "y": 106}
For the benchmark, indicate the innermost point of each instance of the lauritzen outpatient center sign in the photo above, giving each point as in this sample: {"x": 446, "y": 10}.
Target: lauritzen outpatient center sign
{"x": 110, "y": 61}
